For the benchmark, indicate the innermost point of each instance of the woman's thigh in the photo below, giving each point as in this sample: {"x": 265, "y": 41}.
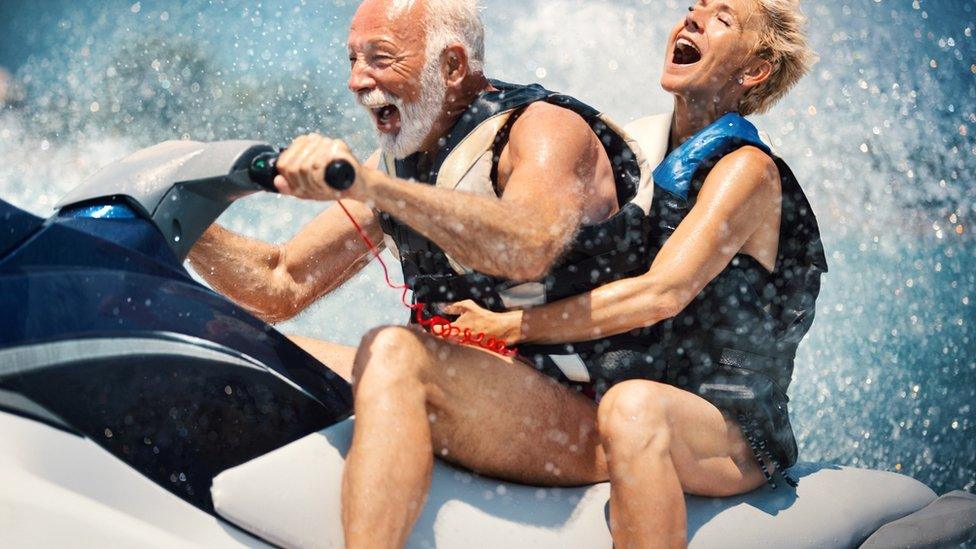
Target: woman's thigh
{"x": 708, "y": 449}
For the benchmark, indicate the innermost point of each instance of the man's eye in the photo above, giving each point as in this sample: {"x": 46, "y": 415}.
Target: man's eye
{"x": 381, "y": 59}
{"x": 725, "y": 22}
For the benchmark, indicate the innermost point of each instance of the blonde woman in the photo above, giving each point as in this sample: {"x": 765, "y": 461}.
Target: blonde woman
{"x": 692, "y": 394}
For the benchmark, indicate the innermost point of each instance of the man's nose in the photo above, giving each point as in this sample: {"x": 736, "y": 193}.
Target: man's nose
{"x": 360, "y": 79}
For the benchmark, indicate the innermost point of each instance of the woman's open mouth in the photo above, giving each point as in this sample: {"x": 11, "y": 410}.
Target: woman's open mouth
{"x": 387, "y": 118}
{"x": 685, "y": 52}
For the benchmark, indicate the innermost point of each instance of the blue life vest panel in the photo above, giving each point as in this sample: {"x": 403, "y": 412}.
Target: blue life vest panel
{"x": 706, "y": 147}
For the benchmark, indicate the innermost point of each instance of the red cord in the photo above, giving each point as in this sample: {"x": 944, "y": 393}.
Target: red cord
{"x": 437, "y": 325}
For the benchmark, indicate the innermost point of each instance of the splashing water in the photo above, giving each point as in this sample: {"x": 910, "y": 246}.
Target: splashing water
{"x": 879, "y": 134}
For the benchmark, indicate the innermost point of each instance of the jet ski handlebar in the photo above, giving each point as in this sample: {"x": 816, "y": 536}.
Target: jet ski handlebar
{"x": 183, "y": 186}
{"x": 339, "y": 174}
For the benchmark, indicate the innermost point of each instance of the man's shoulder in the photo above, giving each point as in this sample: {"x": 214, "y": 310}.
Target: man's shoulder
{"x": 542, "y": 121}
{"x": 543, "y": 112}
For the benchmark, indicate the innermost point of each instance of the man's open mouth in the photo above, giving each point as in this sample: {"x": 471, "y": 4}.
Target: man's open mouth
{"x": 685, "y": 52}
{"x": 387, "y": 117}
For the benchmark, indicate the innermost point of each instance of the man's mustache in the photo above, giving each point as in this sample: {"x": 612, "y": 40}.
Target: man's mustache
{"x": 377, "y": 98}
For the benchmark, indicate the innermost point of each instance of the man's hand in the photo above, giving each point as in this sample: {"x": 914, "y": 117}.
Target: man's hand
{"x": 301, "y": 168}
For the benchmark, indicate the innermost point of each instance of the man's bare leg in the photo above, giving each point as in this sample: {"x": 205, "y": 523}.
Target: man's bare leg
{"x": 416, "y": 395}
{"x": 338, "y": 358}
{"x": 661, "y": 441}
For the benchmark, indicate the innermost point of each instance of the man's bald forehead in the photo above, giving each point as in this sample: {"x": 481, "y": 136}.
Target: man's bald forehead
{"x": 392, "y": 9}
{"x": 378, "y": 16}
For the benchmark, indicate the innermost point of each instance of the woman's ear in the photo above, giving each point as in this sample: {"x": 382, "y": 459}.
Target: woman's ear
{"x": 756, "y": 74}
{"x": 454, "y": 64}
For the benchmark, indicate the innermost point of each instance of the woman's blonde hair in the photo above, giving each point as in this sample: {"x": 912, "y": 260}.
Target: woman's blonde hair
{"x": 782, "y": 42}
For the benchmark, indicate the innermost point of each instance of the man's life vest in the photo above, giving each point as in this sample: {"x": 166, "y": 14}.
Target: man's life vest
{"x": 600, "y": 253}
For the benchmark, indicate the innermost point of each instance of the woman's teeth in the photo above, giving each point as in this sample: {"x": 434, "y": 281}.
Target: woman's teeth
{"x": 685, "y": 52}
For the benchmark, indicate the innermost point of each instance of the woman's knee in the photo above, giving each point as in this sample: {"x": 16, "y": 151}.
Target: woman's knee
{"x": 633, "y": 415}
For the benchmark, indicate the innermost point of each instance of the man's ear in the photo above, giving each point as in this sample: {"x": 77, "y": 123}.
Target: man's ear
{"x": 757, "y": 73}
{"x": 454, "y": 64}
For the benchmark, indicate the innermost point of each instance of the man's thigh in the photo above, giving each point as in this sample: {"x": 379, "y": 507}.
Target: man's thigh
{"x": 502, "y": 418}
{"x": 711, "y": 455}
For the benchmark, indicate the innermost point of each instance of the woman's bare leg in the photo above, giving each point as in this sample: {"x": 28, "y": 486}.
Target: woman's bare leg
{"x": 660, "y": 443}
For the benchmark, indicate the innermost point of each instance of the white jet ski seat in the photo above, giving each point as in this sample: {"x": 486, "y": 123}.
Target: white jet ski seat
{"x": 290, "y": 497}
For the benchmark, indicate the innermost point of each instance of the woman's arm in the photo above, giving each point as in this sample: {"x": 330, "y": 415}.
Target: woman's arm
{"x": 737, "y": 199}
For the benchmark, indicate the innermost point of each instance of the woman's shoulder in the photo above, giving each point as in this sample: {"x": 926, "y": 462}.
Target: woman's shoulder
{"x": 747, "y": 168}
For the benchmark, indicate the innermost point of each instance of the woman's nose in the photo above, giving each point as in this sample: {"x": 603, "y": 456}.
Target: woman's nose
{"x": 691, "y": 21}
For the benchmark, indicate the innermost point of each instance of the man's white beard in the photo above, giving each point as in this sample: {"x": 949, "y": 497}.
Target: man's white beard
{"x": 417, "y": 118}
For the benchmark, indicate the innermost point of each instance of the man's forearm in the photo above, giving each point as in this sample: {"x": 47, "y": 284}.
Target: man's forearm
{"x": 243, "y": 269}
{"x": 278, "y": 282}
{"x": 486, "y": 234}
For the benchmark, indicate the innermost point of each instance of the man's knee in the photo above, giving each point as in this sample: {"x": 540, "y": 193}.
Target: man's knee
{"x": 388, "y": 356}
{"x": 633, "y": 417}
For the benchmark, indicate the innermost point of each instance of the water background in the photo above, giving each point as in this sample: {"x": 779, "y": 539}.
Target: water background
{"x": 880, "y": 134}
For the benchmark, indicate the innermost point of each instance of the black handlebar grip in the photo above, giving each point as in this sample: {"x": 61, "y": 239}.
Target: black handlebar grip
{"x": 263, "y": 170}
{"x": 340, "y": 175}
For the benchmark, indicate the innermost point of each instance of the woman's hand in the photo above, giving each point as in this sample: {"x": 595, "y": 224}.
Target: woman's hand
{"x": 506, "y": 326}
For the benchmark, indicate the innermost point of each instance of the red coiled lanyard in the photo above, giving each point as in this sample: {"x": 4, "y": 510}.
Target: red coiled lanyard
{"x": 436, "y": 325}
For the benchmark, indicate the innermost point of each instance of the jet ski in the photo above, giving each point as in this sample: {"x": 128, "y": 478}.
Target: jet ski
{"x": 140, "y": 408}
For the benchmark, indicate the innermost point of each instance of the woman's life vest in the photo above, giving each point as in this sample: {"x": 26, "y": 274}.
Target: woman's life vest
{"x": 736, "y": 343}
{"x": 747, "y": 317}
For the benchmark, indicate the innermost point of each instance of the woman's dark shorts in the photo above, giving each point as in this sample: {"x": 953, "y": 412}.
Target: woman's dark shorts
{"x": 757, "y": 404}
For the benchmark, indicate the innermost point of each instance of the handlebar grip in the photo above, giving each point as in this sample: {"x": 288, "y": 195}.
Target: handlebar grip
{"x": 339, "y": 174}
{"x": 263, "y": 170}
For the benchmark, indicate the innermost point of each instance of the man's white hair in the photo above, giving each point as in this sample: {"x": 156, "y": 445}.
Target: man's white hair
{"x": 449, "y": 22}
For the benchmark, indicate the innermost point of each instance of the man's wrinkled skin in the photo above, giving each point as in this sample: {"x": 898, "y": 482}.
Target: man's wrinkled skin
{"x": 415, "y": 394}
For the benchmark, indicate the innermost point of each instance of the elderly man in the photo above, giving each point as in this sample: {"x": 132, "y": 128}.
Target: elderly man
{"x": 508, "y": 195}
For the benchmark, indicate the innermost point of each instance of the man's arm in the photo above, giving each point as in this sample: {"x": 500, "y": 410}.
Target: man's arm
{"x": 553, "y": 155}
{"x": 276, "y": 282}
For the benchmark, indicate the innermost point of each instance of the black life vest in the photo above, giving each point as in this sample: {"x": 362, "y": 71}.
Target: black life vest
{"x": 601, "y": 253}
{"x": 747, "y": 318}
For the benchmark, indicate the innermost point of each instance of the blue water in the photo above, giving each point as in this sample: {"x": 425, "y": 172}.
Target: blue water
{"x": 880, "y": 134}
